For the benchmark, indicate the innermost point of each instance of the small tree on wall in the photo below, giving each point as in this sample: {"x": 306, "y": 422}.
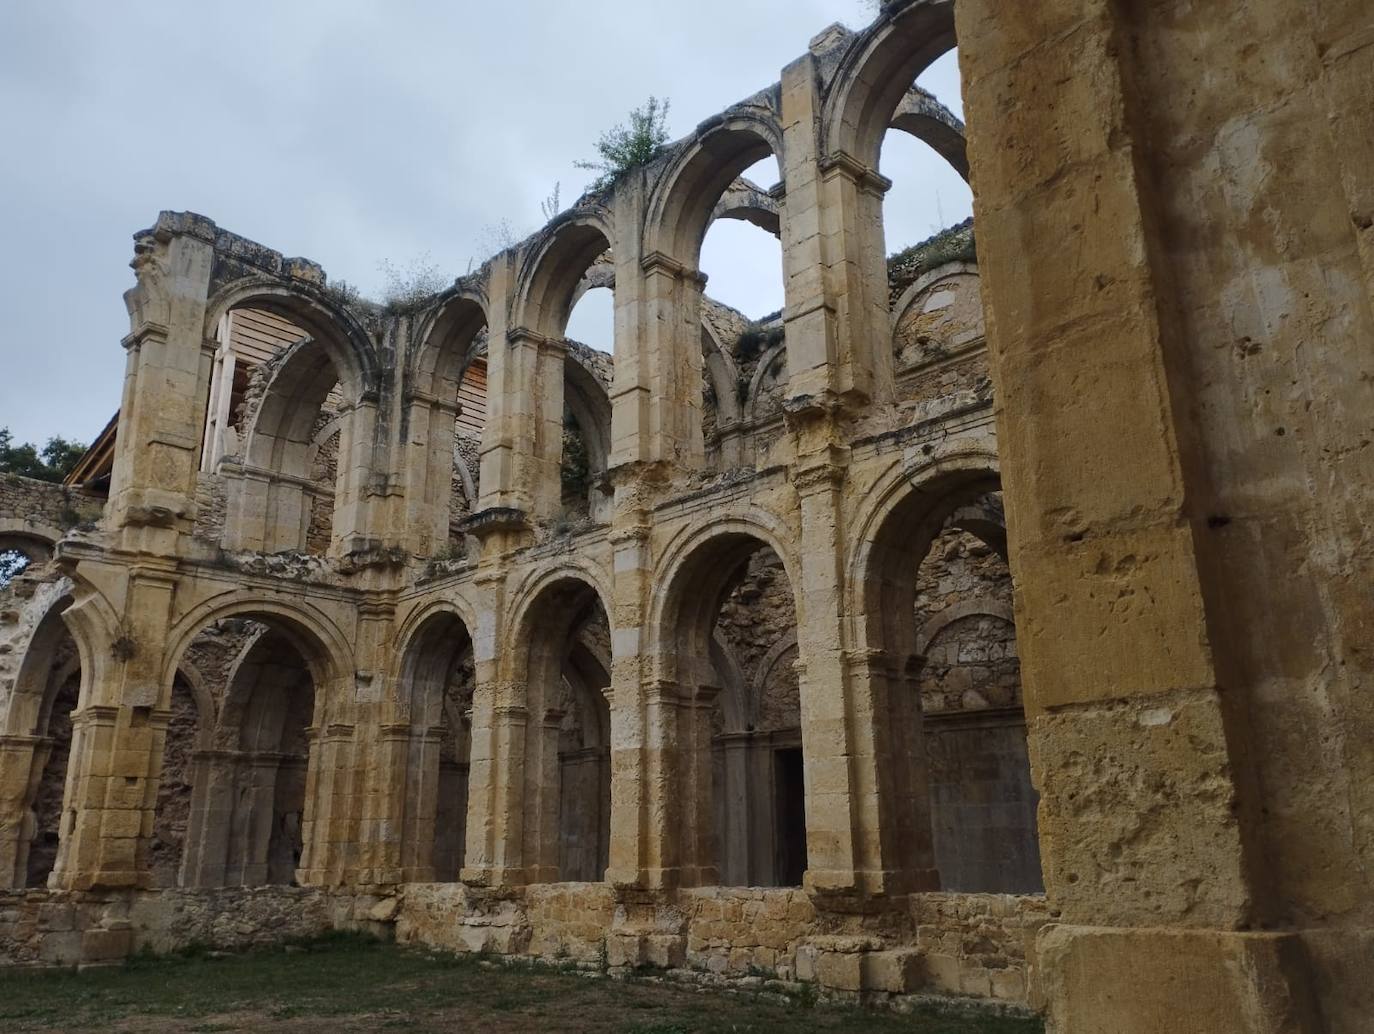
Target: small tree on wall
{"x": 627, "y": 147}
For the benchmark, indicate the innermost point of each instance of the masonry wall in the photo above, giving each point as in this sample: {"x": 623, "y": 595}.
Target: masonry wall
{"x": 1156, "y": 350}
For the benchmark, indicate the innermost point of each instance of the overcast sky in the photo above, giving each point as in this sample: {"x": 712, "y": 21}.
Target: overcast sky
{"x": 351, "y": 132}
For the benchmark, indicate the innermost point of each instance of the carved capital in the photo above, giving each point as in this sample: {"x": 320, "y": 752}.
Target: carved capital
{"x": 865, "y": 178}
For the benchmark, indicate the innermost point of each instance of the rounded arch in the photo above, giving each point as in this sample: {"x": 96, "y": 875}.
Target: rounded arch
{"x": 588, "y": 400}
{"x": 343, "y": 339}
{"x": 928, "y": 280}
{"x": 35, "y": 541}
{"x": 684, "y": 201}
{"x": 554, "y": 267}
{"x": 282, "y": 430}
{"x": 319, "y": 640}
{"x": 877, "y": 71}
{"x": 31, "y": 694}
{"x": 965, "y": 609}
{"x": 695, "y": 540}
{"x": 922, "y": 116}
{"x": 787, "y": 644}
{"x": 455, "y": 606}
{"x": 573, "y": 577}
{"x": 948, "y": 477}
{"x": 448, "y": 337}
{"x": 767, "y": 365}
{"x": 199, "y": 688}
{"x": 425, "y": 664}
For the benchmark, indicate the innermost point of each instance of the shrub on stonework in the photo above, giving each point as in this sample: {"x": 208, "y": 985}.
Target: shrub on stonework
{"x": 627, "y": 147}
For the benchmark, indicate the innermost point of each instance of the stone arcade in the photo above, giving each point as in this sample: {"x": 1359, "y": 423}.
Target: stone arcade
{"x": 708, "y": 658}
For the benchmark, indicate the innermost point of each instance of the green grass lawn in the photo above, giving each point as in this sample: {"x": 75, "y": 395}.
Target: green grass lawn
{"x": 352, "y": 984}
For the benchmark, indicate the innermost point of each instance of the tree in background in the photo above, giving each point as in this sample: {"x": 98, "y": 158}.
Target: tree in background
{"x": 53, "y": 462}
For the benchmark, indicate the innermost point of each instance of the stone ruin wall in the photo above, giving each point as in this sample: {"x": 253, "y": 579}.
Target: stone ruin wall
{"x": 1172, "y": 278}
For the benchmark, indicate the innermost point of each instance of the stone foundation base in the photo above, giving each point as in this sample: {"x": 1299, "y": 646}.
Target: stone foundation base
{"x": 969, "y": 946}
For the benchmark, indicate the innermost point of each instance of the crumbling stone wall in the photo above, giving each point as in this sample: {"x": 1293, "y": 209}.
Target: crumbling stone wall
{"x": 44, "y": 505}
{"x": 1177, "y": 330}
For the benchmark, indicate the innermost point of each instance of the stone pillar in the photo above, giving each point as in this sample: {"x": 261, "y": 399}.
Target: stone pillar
{"x": 354, "y": 526}
{"x": 209, "y": 826}
{"x": 1148, "y": 819}
{"x": 856, "y": 760}
{"x": 656, "y": 398}
{"x": 543, "y": 781}
{"x": 166, "y": 384}
{"x": 736, "y": 809}
{"x": 839, "y": 330}
{"x": 117, "y": 744}
{"x": 427, "y": 472}
{"x": 635, "y": 836}
{"x": 329, "y": 826}
{"x": 21, "y": 768}
{"x": 392, "y": 851}
{"x": 421, "y": 806}
{"x": 496, "y": 763}
{"x": 695, "y": 784}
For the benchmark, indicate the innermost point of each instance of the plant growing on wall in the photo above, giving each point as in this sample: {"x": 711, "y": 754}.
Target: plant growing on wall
{"x": 627, "y": 147}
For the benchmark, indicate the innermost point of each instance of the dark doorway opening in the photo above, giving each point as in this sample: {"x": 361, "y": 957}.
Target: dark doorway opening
{"x": 790, "y": 790}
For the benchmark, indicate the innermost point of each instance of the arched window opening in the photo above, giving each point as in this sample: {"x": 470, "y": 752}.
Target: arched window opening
{"x": 592, "y": 322}
{"x": 730, "y": 635}
{"x": 585, "y": 489}
{"x": 741, "y": 257}
{"x": 281, "y": 428}
{"x": 37, "y": 744}
{"x": 324, "y": 476}
{"x": 938, "y": 619}
{"x": 982, "y": 800}
{"x": 927, "y": 212}
{"x": 465, "y": 476}
{"x": 247, "y": 815}
{"x": 438, "y": 679}
{"x": 64, "y": 688}
{"x": 757, "y": 773}
{"x": 584, "y": 757}
{"x": 567, "y": 755}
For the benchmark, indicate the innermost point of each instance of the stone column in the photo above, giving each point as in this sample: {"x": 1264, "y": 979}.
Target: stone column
{"x": 21, "y": 768}
{"x": 695, "y": 783}
{"x": 394, "y": 814}
{"x": 542, "y": 800}
{"x": 1148, "y": 815}
{"x": 355, "y": 527}
{"x": 839, "y": 330}
{"x": 657, "y": 395}
{"x": 329, "y": 826}
{"x": 117, "y": 743}
{"x": 636, "y": 845}
{"x": 209, "y": 825}
{"x": 496, "y": 764}
{"x": 737, "y": 809}
{"x": 427, "y": 472}
{"x": 166, "y": 384}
